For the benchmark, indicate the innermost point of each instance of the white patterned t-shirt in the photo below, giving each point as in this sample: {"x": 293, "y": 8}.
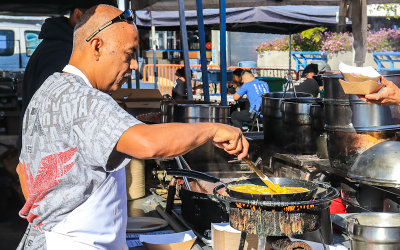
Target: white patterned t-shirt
{"x": 69, "y": 135}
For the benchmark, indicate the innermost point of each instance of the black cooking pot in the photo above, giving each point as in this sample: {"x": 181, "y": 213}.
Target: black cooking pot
{"x": 199, "y": 206}
{"x": 283, "y": 182}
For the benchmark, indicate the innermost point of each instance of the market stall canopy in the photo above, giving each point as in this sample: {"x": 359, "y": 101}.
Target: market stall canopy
{"x": 165, "y": 5}
{"x": 271, "y": 19}
{"x": 42, "y": 7}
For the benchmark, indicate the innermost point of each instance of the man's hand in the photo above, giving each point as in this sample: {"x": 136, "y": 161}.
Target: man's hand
{"x": 231, "y": 140}
{"x": 389, "y": 95}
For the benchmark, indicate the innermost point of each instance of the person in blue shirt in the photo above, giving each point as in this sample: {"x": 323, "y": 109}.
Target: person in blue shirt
{"x": 253, "y": 88}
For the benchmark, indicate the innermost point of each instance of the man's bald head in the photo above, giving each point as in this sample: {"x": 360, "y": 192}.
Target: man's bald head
{"x": 109, "y": 57}
{"x": 93, "y": 19}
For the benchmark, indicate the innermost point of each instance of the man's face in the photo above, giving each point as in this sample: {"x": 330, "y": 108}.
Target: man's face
{"x": 237, "y": 79}
{"x": 119, "y": 59}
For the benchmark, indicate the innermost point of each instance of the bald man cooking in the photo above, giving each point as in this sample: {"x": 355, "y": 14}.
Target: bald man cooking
{"x": 77, "y": 140}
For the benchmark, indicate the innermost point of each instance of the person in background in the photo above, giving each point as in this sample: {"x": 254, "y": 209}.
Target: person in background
{"x": 179, "y": 90}
{"x": 236, "y": 81}
{"x": 53, "y": 53}
{"x": 307, "y": 83}
{"x": 254, "y": 89}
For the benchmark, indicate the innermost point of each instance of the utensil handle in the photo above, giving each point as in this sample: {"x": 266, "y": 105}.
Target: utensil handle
{"x": 262, "y": 176}
{"x": 350, "y": 225}
{"x": 193, "y": 174}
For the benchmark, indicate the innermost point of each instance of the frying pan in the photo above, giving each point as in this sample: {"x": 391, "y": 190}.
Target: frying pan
{"x": 283, "y": 182}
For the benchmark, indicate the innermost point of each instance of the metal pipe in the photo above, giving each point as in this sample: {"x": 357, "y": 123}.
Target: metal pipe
{"x": 171, "y": 222}
{"x": 222, "y": 35}
{"x": 178, "y": 161}
{"x": 154, "y": 47}
{"x": 184, "y": 162}
{"x": 137, "y": 71}
{"x": 185, "y": 47}
{"x": 203, "y": 53}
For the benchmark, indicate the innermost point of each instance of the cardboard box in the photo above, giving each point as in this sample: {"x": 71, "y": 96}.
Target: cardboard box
{"x": 360, "y": 88}
{"x": 176, "y": 241}
{"x": 224, "y": 237}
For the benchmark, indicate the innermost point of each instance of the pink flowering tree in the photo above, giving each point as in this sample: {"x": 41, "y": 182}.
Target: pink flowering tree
{"x": 383, "y": 40}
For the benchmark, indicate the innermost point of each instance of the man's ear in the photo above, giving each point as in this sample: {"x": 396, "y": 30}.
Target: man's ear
{"x": 96, "y": 44}
{"x": 75, "y": 16}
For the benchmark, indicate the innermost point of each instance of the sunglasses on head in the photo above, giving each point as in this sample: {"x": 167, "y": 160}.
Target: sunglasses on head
{"x": 126, "y": 16}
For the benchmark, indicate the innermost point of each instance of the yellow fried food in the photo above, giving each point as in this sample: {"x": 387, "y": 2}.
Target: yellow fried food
{"x": 255, "y": 189}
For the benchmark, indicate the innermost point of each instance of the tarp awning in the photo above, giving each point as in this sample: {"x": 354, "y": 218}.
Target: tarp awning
{"x": 268, "y": 19}
{"x": 165, "y": 5}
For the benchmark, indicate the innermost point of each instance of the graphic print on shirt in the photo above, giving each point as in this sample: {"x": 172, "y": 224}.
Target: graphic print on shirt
{"x": 50, "y": 172}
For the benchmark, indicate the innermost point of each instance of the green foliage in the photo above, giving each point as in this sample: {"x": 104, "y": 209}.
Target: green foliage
{"x": 391, "y": 9}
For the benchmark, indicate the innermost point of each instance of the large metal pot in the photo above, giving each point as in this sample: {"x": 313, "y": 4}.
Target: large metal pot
{"x": 187, "y": 112}
{"x": 345, "y": 147}
{"x": 271, "y": 102}
{"x": 376, "y": 231}
{"x": 199, "y": 207}
{"x": 272, "y": 122}
{"x": 190, "y": 113}
{"x": 352, "y": 125}
{"x": 299, "y": 136}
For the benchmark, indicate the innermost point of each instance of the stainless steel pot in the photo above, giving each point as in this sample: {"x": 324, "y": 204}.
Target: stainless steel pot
{"x": 357, "y": 115}
{"x": 207, "y": 154}
{"x": 376, "y": 231}
{"x": 353, "y": 126}
{"x": 190, "y": 113}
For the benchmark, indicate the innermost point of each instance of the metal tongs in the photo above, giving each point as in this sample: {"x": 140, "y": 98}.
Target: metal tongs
{"x": 262, "y": 176}
{"x": 179, "y": 160}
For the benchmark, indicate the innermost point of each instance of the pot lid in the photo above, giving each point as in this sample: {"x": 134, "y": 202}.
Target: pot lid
{"x": 378, "y": 165}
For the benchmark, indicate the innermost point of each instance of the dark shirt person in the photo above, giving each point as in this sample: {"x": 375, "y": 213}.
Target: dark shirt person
{"x": 53, "y": 53}
{"x": 236, "y": 81}
{"x": 179, "y": 90}
{"x": 307, "y": 83}
{"x": 254, "y": 89}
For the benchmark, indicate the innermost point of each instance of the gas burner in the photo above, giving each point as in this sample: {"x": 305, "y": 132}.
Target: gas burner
{"x": 276, "y": 218}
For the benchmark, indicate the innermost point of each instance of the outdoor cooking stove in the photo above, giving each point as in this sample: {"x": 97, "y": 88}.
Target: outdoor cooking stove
{"x": 274, "y": 221}
{"x": 356, "y": 196}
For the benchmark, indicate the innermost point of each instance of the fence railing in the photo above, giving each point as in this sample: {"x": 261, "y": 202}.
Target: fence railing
{"x": 388, "y": 57}
{"x": 166, "y": 74}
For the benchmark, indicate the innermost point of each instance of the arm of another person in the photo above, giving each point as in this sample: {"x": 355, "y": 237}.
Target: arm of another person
{"x": 171, "y": 139}
{"x": 242, "y": 91}
{"x": 389, "y": 95}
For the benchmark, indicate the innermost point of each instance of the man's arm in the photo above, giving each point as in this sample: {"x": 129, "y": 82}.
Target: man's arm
{"x": 389, "y": 95}
{"x": 169, "y": 140}
{"x": 236, "y": 96}
{"x": 22, "y": 179}
{"x": 242, "y": 91}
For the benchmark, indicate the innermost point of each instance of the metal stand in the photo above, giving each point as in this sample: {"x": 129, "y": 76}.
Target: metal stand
{"x": 262, "y": 241}
{"x": 289, "y": 83}
{"x": 242, "y": 240}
